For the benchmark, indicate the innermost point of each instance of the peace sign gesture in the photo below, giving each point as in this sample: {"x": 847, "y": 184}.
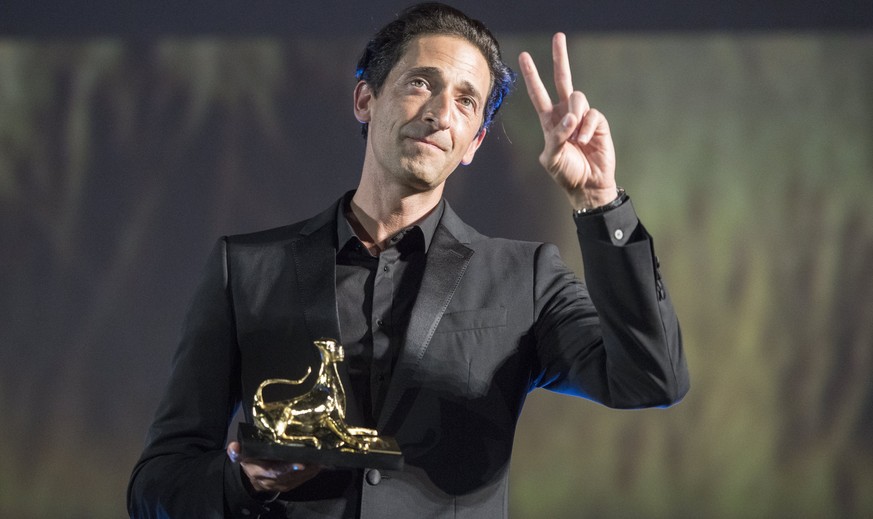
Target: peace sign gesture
{"x": 578, "y": 151}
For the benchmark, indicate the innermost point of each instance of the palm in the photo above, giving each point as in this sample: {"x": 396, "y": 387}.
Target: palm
{"x": 579, "y": 166}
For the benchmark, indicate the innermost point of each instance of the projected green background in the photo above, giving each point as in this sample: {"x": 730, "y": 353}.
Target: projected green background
{"x": 748, "y": 157}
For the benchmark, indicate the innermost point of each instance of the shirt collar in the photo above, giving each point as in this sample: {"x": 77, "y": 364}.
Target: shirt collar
{"x": 345, "y": 232}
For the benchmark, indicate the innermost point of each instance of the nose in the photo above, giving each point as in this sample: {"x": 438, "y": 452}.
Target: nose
{"x": 438, "y": 112}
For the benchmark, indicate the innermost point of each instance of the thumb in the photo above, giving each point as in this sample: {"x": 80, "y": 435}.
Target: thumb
{"x": 555, "y": 139}
{"x": 562, "y": 132}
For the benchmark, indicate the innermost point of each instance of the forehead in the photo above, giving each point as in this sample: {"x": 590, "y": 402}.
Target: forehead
{"x": 455, "y": 57}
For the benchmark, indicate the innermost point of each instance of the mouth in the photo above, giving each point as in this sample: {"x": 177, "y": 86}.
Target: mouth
{"x": 428, "y": 143}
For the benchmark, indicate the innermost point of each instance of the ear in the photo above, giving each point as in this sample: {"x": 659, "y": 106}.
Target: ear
{"x": 471, "y": 149}
{"x": 363, "y": 96}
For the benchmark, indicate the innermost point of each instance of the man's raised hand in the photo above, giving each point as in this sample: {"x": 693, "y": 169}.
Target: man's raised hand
{"x": 578, "y": 151}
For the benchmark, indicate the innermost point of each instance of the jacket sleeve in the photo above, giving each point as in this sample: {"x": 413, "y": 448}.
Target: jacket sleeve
{"x": 617, "y": 340}
{"x": 183, "y": 470}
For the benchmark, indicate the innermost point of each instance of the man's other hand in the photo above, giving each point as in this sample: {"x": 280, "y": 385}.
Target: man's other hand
{"x": 272, "y": 475}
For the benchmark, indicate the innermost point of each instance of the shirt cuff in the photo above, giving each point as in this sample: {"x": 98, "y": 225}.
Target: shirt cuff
{"x": 617, "y": 225}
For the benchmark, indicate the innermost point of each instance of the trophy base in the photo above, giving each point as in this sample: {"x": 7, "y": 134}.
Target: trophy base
{"x": 384, "y": 454}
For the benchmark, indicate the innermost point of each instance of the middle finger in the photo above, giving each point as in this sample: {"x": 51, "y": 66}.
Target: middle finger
{"x": 561, "y": 65}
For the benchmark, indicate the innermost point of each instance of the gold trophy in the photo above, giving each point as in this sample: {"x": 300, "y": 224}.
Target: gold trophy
{"x": 311, "y": 427}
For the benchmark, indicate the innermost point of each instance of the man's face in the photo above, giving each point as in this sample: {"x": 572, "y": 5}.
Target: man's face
{"x": 428, "y": 117}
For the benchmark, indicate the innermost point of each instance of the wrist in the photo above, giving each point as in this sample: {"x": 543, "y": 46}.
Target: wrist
{"x": 616, "y": 196}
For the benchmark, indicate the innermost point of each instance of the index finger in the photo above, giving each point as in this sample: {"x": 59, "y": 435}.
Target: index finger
{"x": 537, "y": 92}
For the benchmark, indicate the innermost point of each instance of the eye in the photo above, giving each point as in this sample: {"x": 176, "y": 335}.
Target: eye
{"x": 418, "y": 83}
{"x": 468, "y": 102}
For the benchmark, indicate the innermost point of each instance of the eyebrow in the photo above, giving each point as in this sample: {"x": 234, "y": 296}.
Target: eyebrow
{"x": 466, "y": 85}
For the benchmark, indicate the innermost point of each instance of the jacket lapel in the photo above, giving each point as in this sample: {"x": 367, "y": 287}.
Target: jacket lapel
{"x": 447, "y": 260}
{"x": 314, "y": 256}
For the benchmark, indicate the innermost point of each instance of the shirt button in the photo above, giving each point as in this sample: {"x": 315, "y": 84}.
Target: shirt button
{"x": 374, "y": 477}
{"x": 385, "y": 268}
{"x": 619, "y": 234}
{"x": 380, "y": 322}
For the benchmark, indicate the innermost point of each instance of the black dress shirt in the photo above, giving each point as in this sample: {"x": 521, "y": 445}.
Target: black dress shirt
{"x": 375, "y": 295}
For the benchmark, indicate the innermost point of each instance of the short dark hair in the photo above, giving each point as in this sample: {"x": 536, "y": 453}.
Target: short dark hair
{"x": 389, "y": 44}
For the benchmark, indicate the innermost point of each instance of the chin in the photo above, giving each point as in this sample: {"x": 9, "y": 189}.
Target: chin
{"x": 424, "y": 179}
{"x": 420, "y": 185}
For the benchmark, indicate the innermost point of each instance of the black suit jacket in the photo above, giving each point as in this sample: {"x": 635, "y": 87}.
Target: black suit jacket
{"x": 493, "y": 320}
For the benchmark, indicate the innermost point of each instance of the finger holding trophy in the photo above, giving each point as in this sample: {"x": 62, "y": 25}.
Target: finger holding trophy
{"x": 272, "y": 475}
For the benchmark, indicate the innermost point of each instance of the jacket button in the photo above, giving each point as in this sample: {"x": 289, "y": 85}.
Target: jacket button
{"x": 374, "y": 477}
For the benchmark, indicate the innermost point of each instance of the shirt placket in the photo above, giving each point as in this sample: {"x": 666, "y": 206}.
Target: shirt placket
{"x": 381, "y": 325}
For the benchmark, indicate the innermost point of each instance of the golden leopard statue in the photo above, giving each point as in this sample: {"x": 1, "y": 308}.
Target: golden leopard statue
{"x": 317, "y": 417}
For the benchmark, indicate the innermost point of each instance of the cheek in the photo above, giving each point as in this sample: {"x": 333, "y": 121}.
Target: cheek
{"x": 468, "y": 135}
{"x": 380, "y": 132}
{"x": 404, "y": 107}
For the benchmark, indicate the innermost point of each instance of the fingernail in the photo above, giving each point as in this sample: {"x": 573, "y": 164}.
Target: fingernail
{"x": 233, "y": 456}
{"x": 567, "y": 121}
{"x": 296, "y": 467}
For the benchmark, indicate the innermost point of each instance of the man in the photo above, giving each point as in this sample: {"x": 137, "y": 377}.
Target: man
{"x": 446, "y": 330}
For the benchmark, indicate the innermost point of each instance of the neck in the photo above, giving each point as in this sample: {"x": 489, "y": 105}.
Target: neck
{"x": 379, "y": 214}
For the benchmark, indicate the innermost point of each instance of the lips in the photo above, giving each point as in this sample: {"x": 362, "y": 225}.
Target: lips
{"x": 429, "y": 142}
